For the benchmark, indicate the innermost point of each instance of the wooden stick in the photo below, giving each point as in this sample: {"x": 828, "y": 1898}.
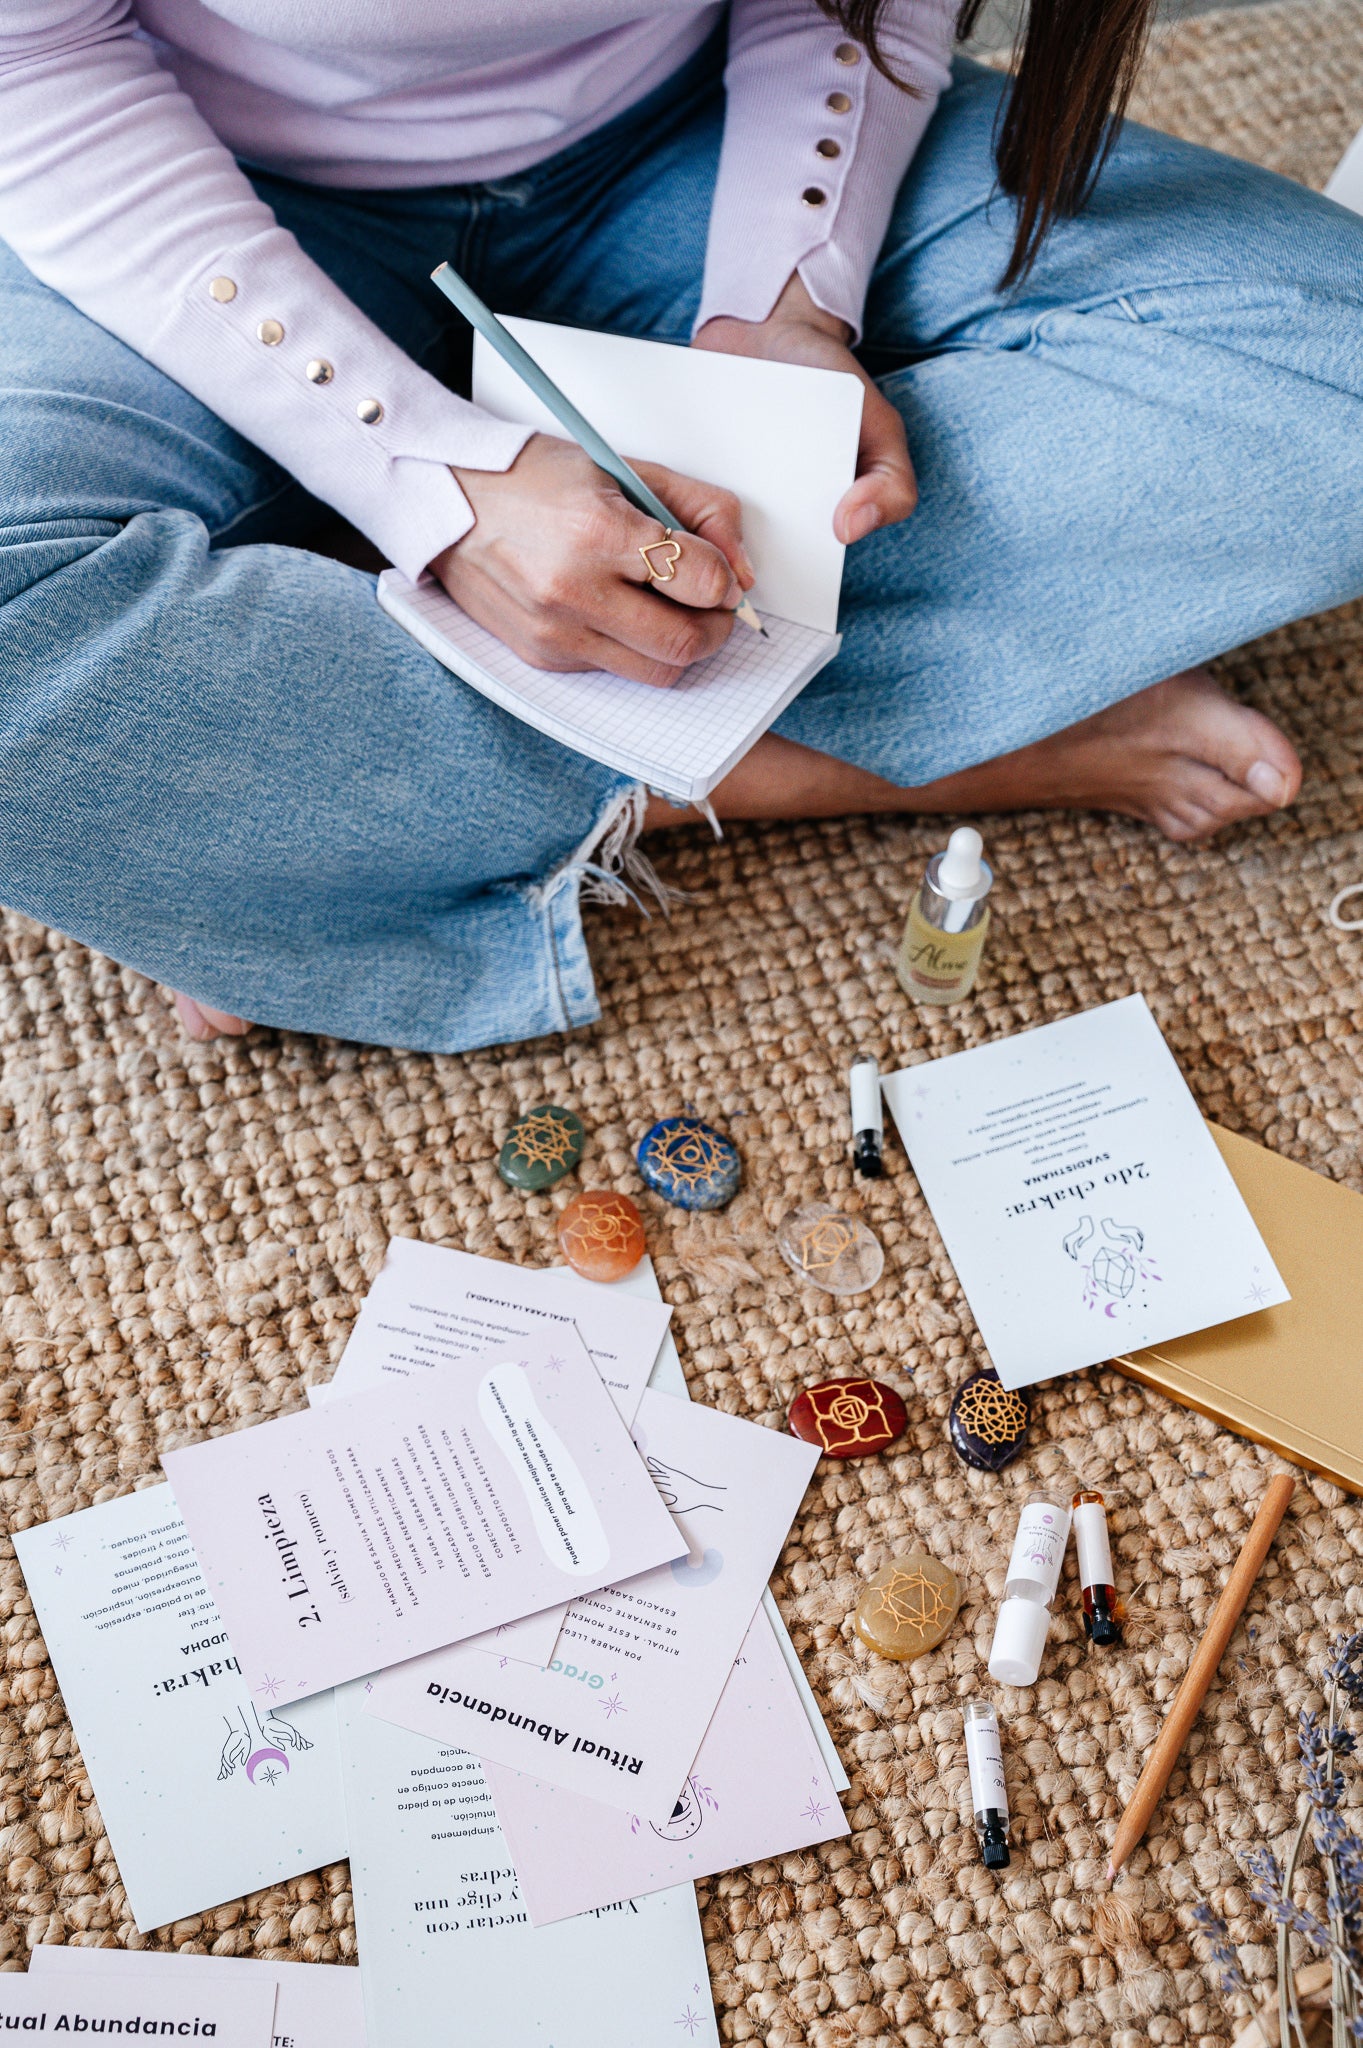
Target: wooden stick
{"x": 1200, "y": 1673}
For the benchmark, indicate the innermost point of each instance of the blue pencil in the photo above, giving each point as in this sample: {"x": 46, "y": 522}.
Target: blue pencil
{"x": 565, "y": 412}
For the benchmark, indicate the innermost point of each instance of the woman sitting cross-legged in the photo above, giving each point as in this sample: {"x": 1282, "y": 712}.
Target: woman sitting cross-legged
{"x": 1113, "y": 425}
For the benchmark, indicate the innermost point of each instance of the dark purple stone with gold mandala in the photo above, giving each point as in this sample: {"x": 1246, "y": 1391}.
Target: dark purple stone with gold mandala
{"x": 848, "y": 1418}
{"x": 988, "y": 1423}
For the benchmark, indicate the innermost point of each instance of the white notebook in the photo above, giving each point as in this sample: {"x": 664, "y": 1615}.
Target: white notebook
{"x": 784, "y": 438}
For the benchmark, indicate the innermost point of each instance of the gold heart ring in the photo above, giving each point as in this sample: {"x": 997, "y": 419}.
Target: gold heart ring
{"x": 670, "y": 551}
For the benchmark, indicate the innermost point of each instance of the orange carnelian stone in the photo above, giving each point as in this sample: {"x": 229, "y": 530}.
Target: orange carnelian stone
{"x": 602, "y": 1235}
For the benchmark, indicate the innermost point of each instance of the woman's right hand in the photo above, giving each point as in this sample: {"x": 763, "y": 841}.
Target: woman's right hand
{"x": 552, "y": 565}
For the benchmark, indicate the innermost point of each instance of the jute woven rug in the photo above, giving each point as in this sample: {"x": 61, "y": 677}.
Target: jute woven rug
{"x": 186, "y": 1233}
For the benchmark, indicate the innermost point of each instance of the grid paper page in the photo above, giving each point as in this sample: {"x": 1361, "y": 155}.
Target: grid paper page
{"x": 683, "y": 740}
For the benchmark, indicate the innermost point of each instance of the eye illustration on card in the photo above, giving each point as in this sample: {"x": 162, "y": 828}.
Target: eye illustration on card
{"x": 686, "y": 1816}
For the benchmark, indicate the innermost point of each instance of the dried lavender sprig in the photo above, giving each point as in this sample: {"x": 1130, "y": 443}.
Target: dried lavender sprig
{"x": 1224, "y": 1955}
{"x": 1345, "y": 1668}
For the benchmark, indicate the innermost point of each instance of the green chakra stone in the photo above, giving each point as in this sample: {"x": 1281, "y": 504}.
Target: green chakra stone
{"x": 541, "y": 1147}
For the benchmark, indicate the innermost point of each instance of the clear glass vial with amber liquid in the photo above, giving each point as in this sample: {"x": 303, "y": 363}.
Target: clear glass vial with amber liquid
{"x": 948, "y": 919}
{"x": 1104, "y": 1612}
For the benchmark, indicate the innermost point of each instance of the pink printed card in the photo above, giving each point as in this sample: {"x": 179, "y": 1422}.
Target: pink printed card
{"x": 364, "y": 1532}
{"x": 758, "y": 1787}
{"x": 619, "y": 1713}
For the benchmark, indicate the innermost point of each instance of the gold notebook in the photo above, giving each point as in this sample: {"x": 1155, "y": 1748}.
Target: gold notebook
{"x": 1290, "y": 1377}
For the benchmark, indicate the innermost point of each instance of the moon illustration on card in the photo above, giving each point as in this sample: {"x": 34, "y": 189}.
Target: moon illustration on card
{"x": 260, "y": 1756}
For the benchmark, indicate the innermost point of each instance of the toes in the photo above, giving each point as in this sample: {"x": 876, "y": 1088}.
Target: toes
{"x": 1247, "y": 748}
{"x": 1214, "y": 800}
{"x": 202, "y": 1023}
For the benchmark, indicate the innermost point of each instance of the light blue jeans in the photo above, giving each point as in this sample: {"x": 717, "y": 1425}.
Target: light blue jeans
{"x": 221, "y": 764}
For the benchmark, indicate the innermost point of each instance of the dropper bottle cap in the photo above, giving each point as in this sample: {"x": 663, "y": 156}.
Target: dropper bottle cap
{"x": 961, "y": 874}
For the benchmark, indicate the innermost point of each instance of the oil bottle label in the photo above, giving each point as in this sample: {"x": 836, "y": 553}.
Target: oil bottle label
{"x": 939, "y": 964}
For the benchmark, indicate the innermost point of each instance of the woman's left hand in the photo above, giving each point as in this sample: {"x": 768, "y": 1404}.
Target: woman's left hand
{"x": 798, "y": 331}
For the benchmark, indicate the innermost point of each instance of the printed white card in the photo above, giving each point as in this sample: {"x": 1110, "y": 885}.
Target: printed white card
{"x": 230, "y": 2015}
{"x": 1079, "y": 1193}
{"x": 431, "y": 1307}
{"x": 758, "y": 1788}
{"x": 167, "y": 1725}
{"x": 620, "y": 1711}
{"x": 448, "y": 1950}
{"x": 668, "y": 1378}
{"x": 317, "y": 2005}
{"x": 371, "y": 1530}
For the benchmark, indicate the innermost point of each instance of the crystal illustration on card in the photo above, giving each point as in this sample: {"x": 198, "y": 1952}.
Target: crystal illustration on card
{"x": 1113, "y": 1263}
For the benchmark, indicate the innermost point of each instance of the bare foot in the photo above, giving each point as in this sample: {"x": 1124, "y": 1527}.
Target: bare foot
{"x": 1182, "y": 755}
{"x": 202, "y": 1023}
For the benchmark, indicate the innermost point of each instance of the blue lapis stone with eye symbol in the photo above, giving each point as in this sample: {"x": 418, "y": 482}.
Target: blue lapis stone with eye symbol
{"x": 690, "y": 1163}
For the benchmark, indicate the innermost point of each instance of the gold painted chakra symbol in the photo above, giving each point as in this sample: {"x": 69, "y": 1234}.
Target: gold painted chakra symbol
{"x": 541, "y": 1147}
{"x": 908, "y": 1606}
{"x": 988, "y": 1423}
{"x": 601, "y": 1235}
{"x": 848, "y": 1418}
{"x": 836, "y": 1252}
{"x": 689, "y": 1163}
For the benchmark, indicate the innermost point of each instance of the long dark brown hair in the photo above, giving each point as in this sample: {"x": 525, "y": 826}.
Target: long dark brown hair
{"x": 1063, "y": 110}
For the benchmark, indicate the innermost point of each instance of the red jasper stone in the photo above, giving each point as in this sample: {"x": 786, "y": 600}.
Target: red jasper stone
{"x": 602, "y": 1235}
{"x": 849, "y": 1418}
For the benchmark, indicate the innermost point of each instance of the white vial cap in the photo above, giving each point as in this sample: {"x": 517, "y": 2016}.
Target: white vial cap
{"x": 962, "y": 873}
{"x": 1019, "y": 1639}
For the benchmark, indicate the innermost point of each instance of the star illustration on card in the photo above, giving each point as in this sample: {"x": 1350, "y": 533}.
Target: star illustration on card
{"x": 690, "y": 2020}
{"x": 502, "y": 1663}
{"x": 271, "y": 1687}
{"x": 369, "y": 1685}
{"x": 815, "y": 1811}
{"x": 62, "y": 1541}
{"x": 1258, "y": 1294}
{"x": 270, "y": 1775}
{"x": 56, "y": 1571}
{"x": 613, "y": 1706}
{"x": 555, "y": 1364}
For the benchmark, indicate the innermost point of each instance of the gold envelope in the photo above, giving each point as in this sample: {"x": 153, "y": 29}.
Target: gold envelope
{"x": 1290, "y": 1377}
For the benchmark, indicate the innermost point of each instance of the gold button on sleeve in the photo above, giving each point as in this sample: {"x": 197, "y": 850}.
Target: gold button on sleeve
{"x": 370, "y": 411}
{"x": 847, "y": 53}
{"x": 319, "y": 371}
{"x": 838, "y": 103}
{"x": 828, "y": 147}
{"x": 270, "y": 332}
{"x": 812, "y": 196}
{"x": 223, "y": 289}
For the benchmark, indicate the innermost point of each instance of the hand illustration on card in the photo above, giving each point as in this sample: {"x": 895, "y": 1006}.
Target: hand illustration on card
{"x": 261, "y": 1752}
{"x": 682, "y": 1494}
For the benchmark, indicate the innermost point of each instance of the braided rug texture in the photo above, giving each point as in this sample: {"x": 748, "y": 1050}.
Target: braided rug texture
{"x": 186, "y": 1234}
